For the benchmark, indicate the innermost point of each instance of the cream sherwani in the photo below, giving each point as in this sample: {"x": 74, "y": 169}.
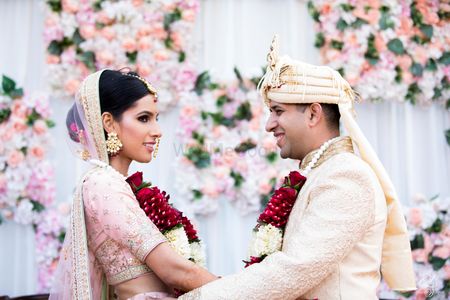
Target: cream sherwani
{"x": 333, "y": 240}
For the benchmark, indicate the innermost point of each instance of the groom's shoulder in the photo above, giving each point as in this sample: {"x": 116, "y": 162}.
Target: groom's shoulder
{"x": 349, "y": 163}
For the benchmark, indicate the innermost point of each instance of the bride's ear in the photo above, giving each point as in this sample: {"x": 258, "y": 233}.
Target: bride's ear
{"x": 108, "y": 122}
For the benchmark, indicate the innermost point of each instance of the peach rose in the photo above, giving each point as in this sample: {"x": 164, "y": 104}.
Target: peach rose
{"x": 144, "y": 43}
{"x": 37, "y": 152}
{"x": 420, "y": 55}
{"x": 19, "y": 125}
{"x": 221, "y": 172}
{"x": 161, "y": 55}
{"x": 143, "y": 70}
{"x": 404, "y": 61}
{"x": 129, "y": 44}
{"x": 265, "y": 188}
{"x": 87, "y": 31}
{"x": 188, "y": 111}
{"x": 18, "y": 109}
{"x": 144, "y": 31}
{"x": 108, "y": 33}
{"x": 53, "y": 59}
{"x": 189, "y": 15}
{"x": 210, "y": 191}
{"x": 159, "y": 33}
{"x": 3, "y": 182}
{"x": 40, "y": 127}
{"x": 71, "y": 86}
{"x": 7, "y": 214}
{"x": 420, "y": 255}
{"x": 102, "y": 17}
{"x": 70, "y": 6}
{"x": 137, "y": 2}
{"x": 447, "y": 271}
{"x": 380, "y": 44}
{"x": 15, "y": 158}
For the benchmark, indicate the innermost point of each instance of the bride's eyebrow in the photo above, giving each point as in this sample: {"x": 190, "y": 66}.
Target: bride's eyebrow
{"x": 146, "y": 112}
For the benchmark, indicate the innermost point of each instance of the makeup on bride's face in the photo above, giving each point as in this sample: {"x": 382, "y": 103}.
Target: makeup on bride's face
{"x": 139, "y": 130}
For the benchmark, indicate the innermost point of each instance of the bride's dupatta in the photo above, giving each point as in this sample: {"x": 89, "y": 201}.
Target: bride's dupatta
{"x": 78, "y": 275}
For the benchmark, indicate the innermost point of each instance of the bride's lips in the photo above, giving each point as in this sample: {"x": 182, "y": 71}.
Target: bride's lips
{"x": 280, "y": 138}
{"x": 149, "y": 146}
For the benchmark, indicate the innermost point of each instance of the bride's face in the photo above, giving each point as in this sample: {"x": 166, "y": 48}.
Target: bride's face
{"x": 139, "y": 129}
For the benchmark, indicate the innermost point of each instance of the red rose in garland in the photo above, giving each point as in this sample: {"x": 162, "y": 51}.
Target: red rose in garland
{"x": 268, "y": 233}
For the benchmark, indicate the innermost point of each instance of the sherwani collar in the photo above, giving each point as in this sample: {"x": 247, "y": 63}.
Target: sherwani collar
{"x": 341, "y": 145}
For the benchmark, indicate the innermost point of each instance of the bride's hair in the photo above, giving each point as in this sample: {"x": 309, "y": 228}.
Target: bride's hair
{"x": 118, "y": 91}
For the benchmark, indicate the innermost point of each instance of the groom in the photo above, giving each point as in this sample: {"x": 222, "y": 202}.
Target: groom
{"x": 346, "y": 223}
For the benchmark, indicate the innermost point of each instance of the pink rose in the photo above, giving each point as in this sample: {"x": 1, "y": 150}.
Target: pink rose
{"x": 40, "y": 127}
{"x": 37, "y": 152}
{"x": 447, "y": 271}
{"x": 103, "y": 18}
{"x": 159, "y": 33}
{"x": 420, "y": 255}
{"x": 88, "y": 31}
{"x": 64, "y": 208}
{"x": 18, "y": 109}
{"x": 15, "y": 158}
{"x": 177, "y": 40}
{"x": 144, "y": 30}
{"x": 3, "y": 183}
{"x": 188, "y": 111}
{"x": 129, "y": 44}
{"x": 71, "y": 86}
{"x": 380, "y": 44}
{"x": 420, "y": 55}
{"x": 19, "y": 125}
{"x": 210, "y": 191}
{"x": 189, "y": 15}
{"x": 442, "y": 252}
{"x": 415, "y": 216}
{"x": 137, "y": 2}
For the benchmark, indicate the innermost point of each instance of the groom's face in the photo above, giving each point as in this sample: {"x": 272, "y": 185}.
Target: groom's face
{"x": 288, "y": 124}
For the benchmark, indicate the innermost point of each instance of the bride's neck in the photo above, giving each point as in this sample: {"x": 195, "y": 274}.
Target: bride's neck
{"x": 121, "y": 164}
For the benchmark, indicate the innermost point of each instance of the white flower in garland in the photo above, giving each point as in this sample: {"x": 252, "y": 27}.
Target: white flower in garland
{"x": 266, "y": 240}
{"x": 178, "y": 240}
{"x": 198, "y": 254}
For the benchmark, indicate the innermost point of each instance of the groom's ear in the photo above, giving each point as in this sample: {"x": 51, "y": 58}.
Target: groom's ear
{"x": 108, "y": 122}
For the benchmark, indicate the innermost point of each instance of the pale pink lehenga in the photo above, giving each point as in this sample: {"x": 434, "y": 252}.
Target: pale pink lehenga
{"x": 109, "y": 236}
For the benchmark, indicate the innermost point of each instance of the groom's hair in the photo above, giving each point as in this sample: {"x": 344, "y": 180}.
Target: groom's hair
{"x": 330, "y": 111}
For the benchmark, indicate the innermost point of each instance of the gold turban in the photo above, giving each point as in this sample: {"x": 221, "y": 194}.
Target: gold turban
{"x": 290, "y": 81}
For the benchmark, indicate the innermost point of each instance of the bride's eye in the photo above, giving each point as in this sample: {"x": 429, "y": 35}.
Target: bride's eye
{"x": 143, "y": 119}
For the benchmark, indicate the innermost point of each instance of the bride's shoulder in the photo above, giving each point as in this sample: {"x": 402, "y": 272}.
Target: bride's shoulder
{"x": 104, "y": 177}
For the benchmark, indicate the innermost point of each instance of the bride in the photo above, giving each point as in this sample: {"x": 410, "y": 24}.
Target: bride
{"x": 111, "y": 247}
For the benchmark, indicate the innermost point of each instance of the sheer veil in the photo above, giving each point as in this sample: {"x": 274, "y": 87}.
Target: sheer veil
{"x": 78, "y": 276}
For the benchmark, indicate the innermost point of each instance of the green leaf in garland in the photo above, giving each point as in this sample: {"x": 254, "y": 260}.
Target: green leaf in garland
{"x": 396, "y": 46}
{"x": 416, "y": 69}
{"x": 313, "y": 12}
{"x": 320, "y": 40}
{"x": 132, "y": 56}
{"x": 337, "y": 45}
{"x": 427, "y": 30}
{"x": 445, "y": 58}
{"x": 8, "y": 85}
{"x": 447, "y": 134}
{"x": 341, "y": 25}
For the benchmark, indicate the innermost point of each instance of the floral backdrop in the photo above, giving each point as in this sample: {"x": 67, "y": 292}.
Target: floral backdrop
{"x": 27, "y": 186}
{"x": 429, "y": 229}
{"x": 151, "y": 37}
{"x": 388, "y": 50}
{"x": 225, "y": 151}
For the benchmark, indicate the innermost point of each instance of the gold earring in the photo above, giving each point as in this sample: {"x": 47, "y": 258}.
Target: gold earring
{"x": 113, "y": 144}
{"x": 155, "y": 152}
